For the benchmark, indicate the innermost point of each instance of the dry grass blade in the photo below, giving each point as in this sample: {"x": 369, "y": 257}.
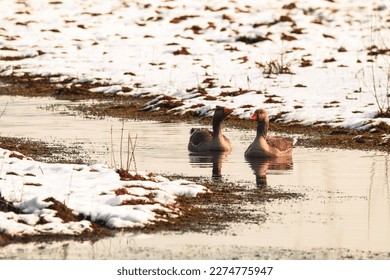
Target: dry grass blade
{"x": 121, "y": 144}
{"x": 130, "y": 153}
{"x": 5, "y": 108}
{"x": 112, "y": 148}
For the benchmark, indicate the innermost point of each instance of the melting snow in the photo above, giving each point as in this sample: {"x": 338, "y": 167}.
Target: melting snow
{"x": 333, "y": 54}
{"x": 95, "y": 192}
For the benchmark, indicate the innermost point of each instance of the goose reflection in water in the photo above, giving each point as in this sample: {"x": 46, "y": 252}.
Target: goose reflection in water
{"x": 261, "y": 166}
{"x": 206, "y": 159}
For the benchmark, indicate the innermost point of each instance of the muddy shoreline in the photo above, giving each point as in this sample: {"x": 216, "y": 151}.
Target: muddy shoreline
{"x": 134, "y": 108}
{"x": 196, "y": 212}
{"x": 200, "y": 214}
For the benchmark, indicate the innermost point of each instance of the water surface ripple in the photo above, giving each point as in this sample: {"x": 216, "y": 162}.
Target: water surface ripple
{"x": 346, "y": 204}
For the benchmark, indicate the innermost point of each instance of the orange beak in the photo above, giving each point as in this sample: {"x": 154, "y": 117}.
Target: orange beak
{"x": 254, "y": 117}
{"x": 228, "y": 111}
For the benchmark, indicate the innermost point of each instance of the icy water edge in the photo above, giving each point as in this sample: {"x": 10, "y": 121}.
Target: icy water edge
{"x": 346, "y": 205}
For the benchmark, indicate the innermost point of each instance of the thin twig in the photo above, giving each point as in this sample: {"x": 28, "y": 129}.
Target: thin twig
{"x": 69, "y": 188}
{"x": 388, "y": 89}
{"x": 121, "y": 145}
{"x": 133, "y": 152}
{"x": 112, "y": 148}
{"x": 128, "y": 151}
{"x": 375, "y": 89}
{"x": 5, "y": 107}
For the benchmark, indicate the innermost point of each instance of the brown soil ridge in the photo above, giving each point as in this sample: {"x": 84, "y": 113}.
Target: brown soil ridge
{"x": 320, "y": 136}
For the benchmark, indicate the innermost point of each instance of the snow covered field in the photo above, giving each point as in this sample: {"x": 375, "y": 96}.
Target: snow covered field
{"x": 45, "y": 192}
{"x": 311, "y": 62}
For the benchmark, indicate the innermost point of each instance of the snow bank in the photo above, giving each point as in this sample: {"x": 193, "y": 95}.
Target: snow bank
{"x": 205, "y": 52}
{"x": 95, "y": 192}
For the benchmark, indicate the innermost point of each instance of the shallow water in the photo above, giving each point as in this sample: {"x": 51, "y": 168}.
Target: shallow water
{"x": 346, "y": 204}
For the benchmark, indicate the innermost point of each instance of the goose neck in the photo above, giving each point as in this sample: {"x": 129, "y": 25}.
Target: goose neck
{"x": 262, "y": 129}
{"x": 217, "y": 127}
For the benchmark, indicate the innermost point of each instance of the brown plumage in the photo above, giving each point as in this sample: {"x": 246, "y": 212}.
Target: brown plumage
{"x": 267, "y": 147}
{"x": 202, "y": 139}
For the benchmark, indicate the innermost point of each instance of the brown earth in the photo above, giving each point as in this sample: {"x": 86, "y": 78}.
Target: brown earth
{"x": 134, "y": 108}
{"x": 47, "y": 152}
{"x": 200, "y": 213}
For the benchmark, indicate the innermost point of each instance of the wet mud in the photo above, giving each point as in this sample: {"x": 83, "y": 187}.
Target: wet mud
{"x": 131, "y": 107}
{"x": 200, "y": 214}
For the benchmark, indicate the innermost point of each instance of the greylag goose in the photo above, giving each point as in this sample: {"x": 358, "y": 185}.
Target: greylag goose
{"x": 202, "y": 139}
{"x": 267, "y": 147}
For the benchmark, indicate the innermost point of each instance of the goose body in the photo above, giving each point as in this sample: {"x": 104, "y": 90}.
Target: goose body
{"x": 264, "y": 147}
{"x": 202, "y": 139}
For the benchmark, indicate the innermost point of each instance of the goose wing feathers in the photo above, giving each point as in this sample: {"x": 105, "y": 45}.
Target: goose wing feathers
{"x": 282, "y": 144}
{"x": 200, "y": 135}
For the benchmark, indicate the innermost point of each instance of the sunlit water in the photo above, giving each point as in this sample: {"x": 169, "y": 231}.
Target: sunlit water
{"x": 346, "y": 203}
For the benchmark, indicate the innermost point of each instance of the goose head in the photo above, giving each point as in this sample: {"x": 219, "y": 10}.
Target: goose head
{"x": 261, "y": 116}
{"x": 221, "y": 113}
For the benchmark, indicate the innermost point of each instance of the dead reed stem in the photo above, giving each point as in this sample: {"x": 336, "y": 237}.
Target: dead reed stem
{"x": 5, "y": 108}
{"x": 130, "y": 153}
{"x": 121, "y": 144}
{"x": 112, "y": 148}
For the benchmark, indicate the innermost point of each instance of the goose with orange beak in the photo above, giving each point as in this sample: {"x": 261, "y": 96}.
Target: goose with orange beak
{"x": 267, "y": 147}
